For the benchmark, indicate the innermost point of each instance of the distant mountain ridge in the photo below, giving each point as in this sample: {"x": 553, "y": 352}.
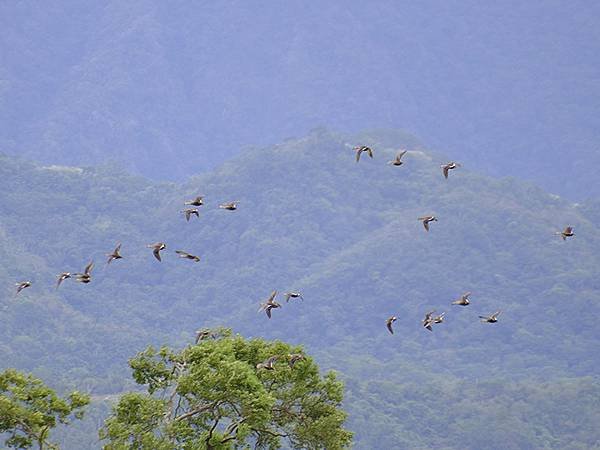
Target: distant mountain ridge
{"x": 172, "y": 90}
{"x": 346, "y": 235}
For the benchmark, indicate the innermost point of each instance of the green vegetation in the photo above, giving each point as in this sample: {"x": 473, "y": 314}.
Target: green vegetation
{"x": 212, "y": 396}
{"x": 344, "y": 234}
{"x": 29, "y": 410}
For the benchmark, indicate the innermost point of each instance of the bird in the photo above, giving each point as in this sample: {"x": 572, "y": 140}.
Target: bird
{"x": 389, "y": 322}
{"x": 463, "y": 300}
{"x": 62, "y": 277}
{"x": 230, "y": 206}
{"x": 157, "y": 248}
{"x": 397, "y": 161}
{"x": 86, "y": 276}
{"x": 450, "y": 166}
{"x": 492, "y": 318}
{"x": 198, "y": 201}
{"x": 428, "y": 320}
{"x": 294, "y": 358}
{"x": 202, "y": 334}
{"x": 426, "y": 220}
{"x": 187, "y": 255}
{"x": 289, "y": 295}
{"x": 269, "y": 304}
{"x": 567, "y": 232}
{"x": 116, "y": 254}
{"x": 189, "y": 212}
{"x": 363, "y": 148}
{"x": 267, "y": 364}
{"x": 439, "y": 319}
{"x": 22, "y": 285}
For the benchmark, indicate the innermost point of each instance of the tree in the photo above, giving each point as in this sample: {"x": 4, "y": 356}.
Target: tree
{"x": 218, "y": 395}
{"x": 29, "y": 410}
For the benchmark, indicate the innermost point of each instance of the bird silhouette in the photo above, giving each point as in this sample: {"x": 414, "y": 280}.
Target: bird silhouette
{"x": 86, "y": 276}
{"x": 397, "y": 161}
{"x": 493, "y": 318}
{"x": 450, "y": 166}
{"x": 22, "y": 285}
{"x": 187, "y": 255}
{"x": 156, "y": 248}
{"x": 426, "y": 220}
{"x": 389, "y": 322}
{"x": 116, "y": 254}
{"x": 363, "y": 148}
{"x": 269, "y": 304}
{"x": 463, "y": 300}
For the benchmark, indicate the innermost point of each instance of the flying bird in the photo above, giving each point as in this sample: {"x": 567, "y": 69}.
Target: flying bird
{"x": 22, "y": 285}
{"x": 567, "y": 232}
{"x": 86, "y": 276}
{"x": 116, "y": 254}
{"x": 203, "y": 334}
{"x": 267, "y": 364}
{"x": 389, "y": 322}
{"x": 426, "y": 220}
{"x": 156, "y": 248}
{"x": 62, "y": 277}
{"x": 363, "y": 148}
{"x": 187, "y": 255}
{"x": 189, "y": 212}
{"x": 269, "y": 304}
{"x": 491, "y": 319}
{"x": 450, "y": 166}
{"x": 230, "y": 206}
{"x": 289, "y": 295}
{"x": 294, "y": 358}
{"x": 198, "y": 201}
{"x": 398, "y": 160}
{"x": 463, "y": 300}
{"x": 428, "y": 320}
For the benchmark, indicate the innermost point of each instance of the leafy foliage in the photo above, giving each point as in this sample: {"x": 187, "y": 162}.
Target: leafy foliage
{"x": 29, "y": 410}
{"x": 213, "y": 396}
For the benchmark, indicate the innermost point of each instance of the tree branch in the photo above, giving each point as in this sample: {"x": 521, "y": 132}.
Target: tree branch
{"x": 196, "y": 411}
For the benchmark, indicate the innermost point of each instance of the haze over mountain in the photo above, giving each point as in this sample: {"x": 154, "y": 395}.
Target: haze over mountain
{"x": 347, "y": 236}
{"x": 172, "y": 89}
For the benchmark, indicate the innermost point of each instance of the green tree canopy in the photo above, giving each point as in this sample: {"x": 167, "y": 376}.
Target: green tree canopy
{"x": 213, "y": 396}
{"x": 29, "y": 410}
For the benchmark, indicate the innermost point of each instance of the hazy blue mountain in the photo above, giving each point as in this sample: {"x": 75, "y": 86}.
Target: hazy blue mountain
{"x": 171, "y": 89}
{"x": 347, "y": 236}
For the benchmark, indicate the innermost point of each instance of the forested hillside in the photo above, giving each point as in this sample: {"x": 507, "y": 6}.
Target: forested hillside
{"x": 171, "y": 89}
{"x": 346, "y": 235}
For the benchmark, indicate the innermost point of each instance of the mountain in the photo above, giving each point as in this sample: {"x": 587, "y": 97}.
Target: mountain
{"x": 171, "y": 90}
{"x": 346, "y": 235}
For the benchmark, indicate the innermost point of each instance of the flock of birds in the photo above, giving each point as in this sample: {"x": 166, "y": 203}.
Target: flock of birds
{"x": 270, "y": 304}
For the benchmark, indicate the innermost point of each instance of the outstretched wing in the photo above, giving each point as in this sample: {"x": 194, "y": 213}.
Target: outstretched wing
{"x": 445, "y": 169}
{"x": 88, "y": 268}
{"x": 389, "y": 326}
{"x": 156, "y": 253}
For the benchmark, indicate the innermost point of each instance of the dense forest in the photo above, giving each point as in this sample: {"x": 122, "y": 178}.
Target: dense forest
{"x": 344, "y": 234}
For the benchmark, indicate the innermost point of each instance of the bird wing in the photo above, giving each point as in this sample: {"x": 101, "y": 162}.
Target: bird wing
{"x": 268, "y": 311}
{"x": 445, "y": 169}
{"x": 187, "y": 215}
{"x": 389, "y": 326}
{"x": 426, "y": 225}
{"x": 272, "y": 296}
{"x": 400, "y": 155}
{"x": 182, "y": 253}
{"x": 156, "y": 253}
{"x": 370, "y": 152}
{"x": 88, "y": 268}
{"x": 358, "y": 152}
{"x": 466, "y": 295}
